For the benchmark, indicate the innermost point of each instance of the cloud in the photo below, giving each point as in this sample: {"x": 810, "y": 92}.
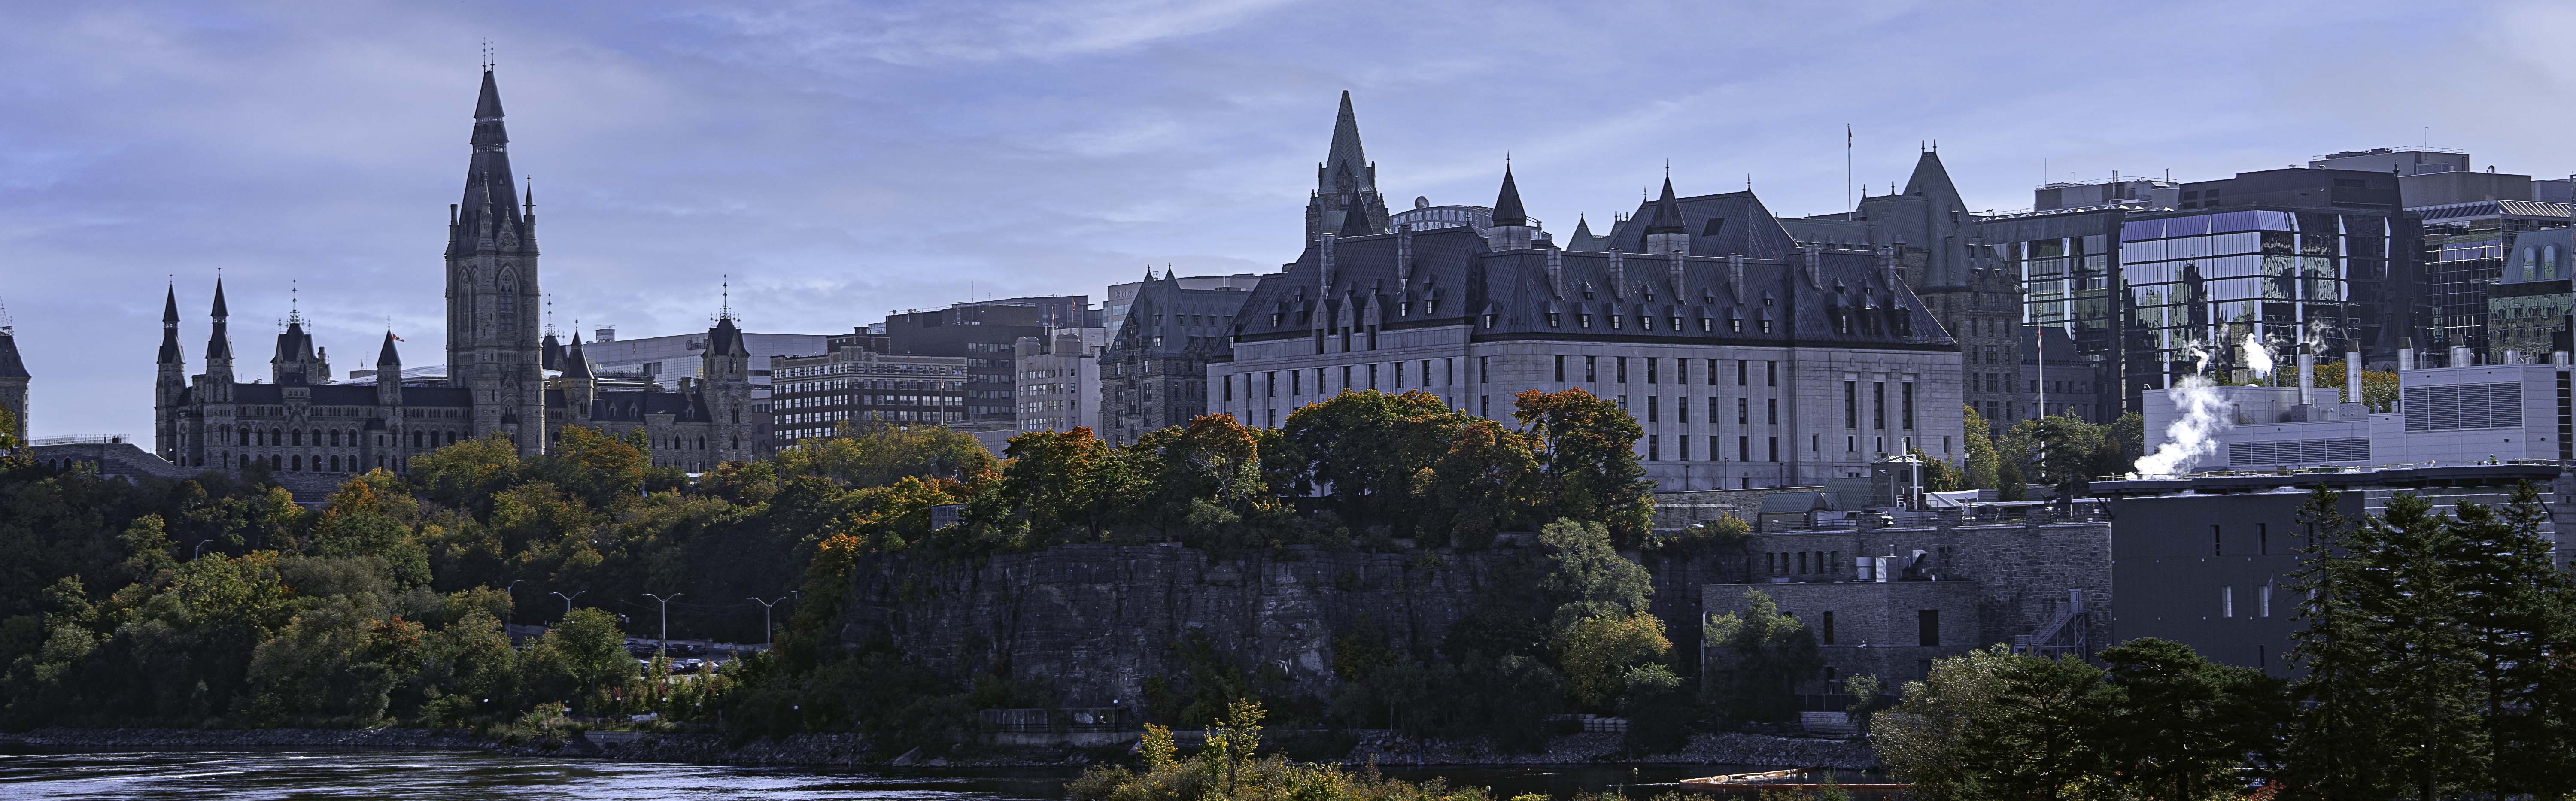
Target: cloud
{"x": 835, "y": 160}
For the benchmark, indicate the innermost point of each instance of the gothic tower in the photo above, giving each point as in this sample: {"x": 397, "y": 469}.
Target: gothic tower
{"x": 1345, "y": 184}
{"x": 492, "y": 296}
{"x": 13, "y": 381}
{"x": 218, "y": 387}
{"x": 726, "y": 368}
{"x": 170, "y": 383}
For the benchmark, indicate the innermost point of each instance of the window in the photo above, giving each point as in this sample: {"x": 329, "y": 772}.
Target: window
{"x": 1650, "y": 408}
{"x": 1743, "y": 449}
{"x": 2227, "y": 602}
{"x": 1739, "y": 372}
{"x": 1682, "y": 443}
{"x": 2217, "y": 543}
{"x": 2263, "y": 539}
{"x": 1681, "y": 411}
{"x": 1927, "y": 627}
{"x": 1829, "y": 628}
{"x": 1771, "y": 408}
{"x": 1399, "y": 375}
{"x": 1851, "y": 404}
{"x": 1775, "y": 449}
{"x": 1592, "y": 369}
{"x": 1296, "y": 382}
{"x": 1560, "y": 369}
{"x": 1712, "y": 412}
{"x": 1712, "y": 373}
{"x": 1878, "y": 405}
{"x": 1621, "y": 364}
{"x": 1654, "y": 449}
{"x": 1908, "y": 392}
{"x": 1771, "y": 373}
{"x": 1740, "y": 405}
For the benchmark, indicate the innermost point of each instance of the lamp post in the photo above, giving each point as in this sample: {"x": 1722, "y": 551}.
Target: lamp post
{"x": 201, "y": 550}
{"x": 665, "y": 602}
{"x": 765, "y": 607}
{"x": 568, "y": 599}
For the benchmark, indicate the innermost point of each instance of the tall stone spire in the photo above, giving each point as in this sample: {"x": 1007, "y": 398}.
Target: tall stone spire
{"x": 493, "y": 344}
{"x": 219, "y": 344}
{"x": 1346, "y": 199}
{"x": 170, "y": 326}
{"x": 1507, "y": 203}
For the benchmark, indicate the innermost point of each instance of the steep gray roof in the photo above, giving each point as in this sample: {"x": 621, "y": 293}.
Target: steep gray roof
{"x": 1719, "y": 225}
{"x": 489, "y": 196}
{"x": 387, "y": 355}
{"x": 1455, "y": 280}
{"x": 1507, "y": 203}
{"x": 1344, "y": 157}
{"x": 10, "y": 365}
{"x": 1582, "y": 239}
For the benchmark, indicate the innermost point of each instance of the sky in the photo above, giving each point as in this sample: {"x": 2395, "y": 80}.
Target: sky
{"x": 833, "y": 161}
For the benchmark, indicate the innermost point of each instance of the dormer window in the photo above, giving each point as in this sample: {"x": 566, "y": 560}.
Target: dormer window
{"x": 1614, "y": 322}
{"x": 1582, "y": 320}
{"x": 1707, "y": 325}
{"x": 1587, "y": 291}
{"x": 1404, "y": 309}
{"x": 1489, "y": 319}
{"x": 1645, "y": 323}
{"x": 1553, "y": 320}
{"x": 1432, "y": 307}
{"x": 1677, "y": 322}
{"x": 1275, "y": 317}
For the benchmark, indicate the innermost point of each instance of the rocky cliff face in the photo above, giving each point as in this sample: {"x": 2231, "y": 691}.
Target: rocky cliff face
{"x": 1095, "y": 621}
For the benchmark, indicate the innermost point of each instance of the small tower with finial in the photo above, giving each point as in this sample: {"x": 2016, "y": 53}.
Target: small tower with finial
{"x": 13, "y": 379}
{"x": 169, "y": 382}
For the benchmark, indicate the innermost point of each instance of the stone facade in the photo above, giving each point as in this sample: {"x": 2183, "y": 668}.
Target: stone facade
{"x": 1987, "y": 584}
{"x": 13, "y": 384}
{"x": 297, "y": 421}
{"x": 1154, "y": 374}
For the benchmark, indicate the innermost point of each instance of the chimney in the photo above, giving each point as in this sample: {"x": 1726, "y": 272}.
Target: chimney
{"x": 2460, "y": 357}
{"x": 1887, "y": 264}
{"x": 1556, "y": 269}
{"x": 2352, "y": 376}
{"x": 1404, "y": 255}
{"x": 1815, "y": 265}
{"x": 2406, "y": 358}
{"x": 2307, "y": 375}
{"x": 2511, "y": 356}
{"x": 1618, "y": 274}
{"x": 1324, "y": 258}
{"x": 1735, "y": 276}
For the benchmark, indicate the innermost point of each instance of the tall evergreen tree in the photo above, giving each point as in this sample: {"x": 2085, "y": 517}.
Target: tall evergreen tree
{"x": 2514, "y": 607}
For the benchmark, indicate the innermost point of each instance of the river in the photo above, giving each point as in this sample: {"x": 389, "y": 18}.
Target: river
{"x": 441, "y": 775}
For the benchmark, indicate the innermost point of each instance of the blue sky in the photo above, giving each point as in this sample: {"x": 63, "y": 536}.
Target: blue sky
{"x": 841, "y": 159}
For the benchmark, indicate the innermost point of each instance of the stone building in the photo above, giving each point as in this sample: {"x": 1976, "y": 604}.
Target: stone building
{"x": 13, "y": 383}
{"x": 297, "y": 421}
{"x": 1887, "y": 600}
{"x": 1748, "y": 359}
{"x": 1941, "y": 254}
{"x": 1154, "y": 374}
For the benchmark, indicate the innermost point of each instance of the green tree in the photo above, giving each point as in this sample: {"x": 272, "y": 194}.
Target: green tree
{"x": 1587, "y": 576}
{"x": 2183, "y": 725}
{"x": 2390, "y": 676}
{"x": 1586, "y": 452}
{"x": 1983, "y": 468}
{"x": 2060, "y": 451}
{"x": 1596, "y": 655}
{"x": 591, "y": 650}
{"x": 1757, "y": 658}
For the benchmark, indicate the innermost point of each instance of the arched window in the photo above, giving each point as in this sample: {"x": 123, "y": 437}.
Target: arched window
{"x": 335, "y": 464}
{"x": 296, "y": 463}
{"x": 415, "y": 439}
{"x": 2549, "y": 262}
{"x": 702, "y": 442}
{"x": 508, "y": 311}
{"x": 335, "y": 437}
{"x": 276, "y": 437}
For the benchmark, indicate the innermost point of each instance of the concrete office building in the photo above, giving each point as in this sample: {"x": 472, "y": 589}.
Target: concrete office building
{"x": 813, "y": 395}
{"x": 2210, "y": 561}
{"x": 987, "y": 337}
{"x": 1059, "y": 380}
{"x": 2444, "y": 415}
{"x": 667, "y": 360}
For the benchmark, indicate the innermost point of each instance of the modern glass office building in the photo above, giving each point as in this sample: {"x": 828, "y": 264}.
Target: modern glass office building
{"x": 2198, "y": 279}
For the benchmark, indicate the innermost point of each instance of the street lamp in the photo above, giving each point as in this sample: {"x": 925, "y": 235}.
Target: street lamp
{"x": 568, "y": 600}
{"x": 201, "y": 550}
{"x": 665, "y": 602}
{"x": 765, "y": 607}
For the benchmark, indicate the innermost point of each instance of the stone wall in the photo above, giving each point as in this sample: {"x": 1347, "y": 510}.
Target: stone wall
{"x": 1093, "y": 622}
{"x": 1676, "y": 510}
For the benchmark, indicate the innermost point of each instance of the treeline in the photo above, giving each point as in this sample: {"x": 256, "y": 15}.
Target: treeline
{"x": 2435, "y": 663}
{"x": 219, "y": 601}
{"x": 2059, "y": 451}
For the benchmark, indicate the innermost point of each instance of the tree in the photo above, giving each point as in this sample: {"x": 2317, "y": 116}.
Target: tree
{"x": 2515, "y": 609}
{"x": 2378, "y": 387}
{"x": 1983, "y": 468}
{"x": 592, "y": 652}
{"x": 2060, "y": 450}
{"x": 1757, "y": 658}
{"x": 1597, "y": 653}
{"x": 1587, "y": 458}
{"x": 2183, "y": 725}
{"x": 1589, "y": 578}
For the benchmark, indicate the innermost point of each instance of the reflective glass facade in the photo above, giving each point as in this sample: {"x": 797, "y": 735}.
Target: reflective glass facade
{"x": 2215, "y": 277}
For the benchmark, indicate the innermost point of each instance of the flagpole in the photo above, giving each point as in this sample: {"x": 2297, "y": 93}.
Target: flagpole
{"x": 1848, "y": 208}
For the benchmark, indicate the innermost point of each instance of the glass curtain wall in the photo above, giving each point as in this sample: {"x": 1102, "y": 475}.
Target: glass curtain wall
{"x": 2197, "y": 281}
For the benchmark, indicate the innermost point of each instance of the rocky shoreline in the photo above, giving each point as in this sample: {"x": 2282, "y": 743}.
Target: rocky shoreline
{"x": 848, "y": 750}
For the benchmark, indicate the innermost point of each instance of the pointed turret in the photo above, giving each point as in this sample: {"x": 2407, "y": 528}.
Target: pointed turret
{"x": 10, "y": 365}
{"x": 1932, "y": 180}
{"x": 1665, "y": 231}
{"x": 1511, "y": 228}
{"x": 386, "y": 356}
{"x": 576, "y": 365}
{"x": 219, "y": 345}
{"x": 170, "y": 327}
{"x": 1345, "y": 185}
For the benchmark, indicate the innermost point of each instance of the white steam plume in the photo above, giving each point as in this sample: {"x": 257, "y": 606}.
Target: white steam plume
{"x": 2258, "y": 357}
{"x": 2193, "y": 433}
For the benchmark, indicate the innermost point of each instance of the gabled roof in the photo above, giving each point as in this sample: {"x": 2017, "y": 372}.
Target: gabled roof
{"x": 1719, "y": 225}
{"x": 1667, "y": 217}
{"x": 576, "y": 365}
{"x": 1582, "y": 238}
{"x": 1355, "y": 219}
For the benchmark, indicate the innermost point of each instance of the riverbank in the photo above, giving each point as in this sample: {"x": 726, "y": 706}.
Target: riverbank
{"x": 848, "y": 750}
